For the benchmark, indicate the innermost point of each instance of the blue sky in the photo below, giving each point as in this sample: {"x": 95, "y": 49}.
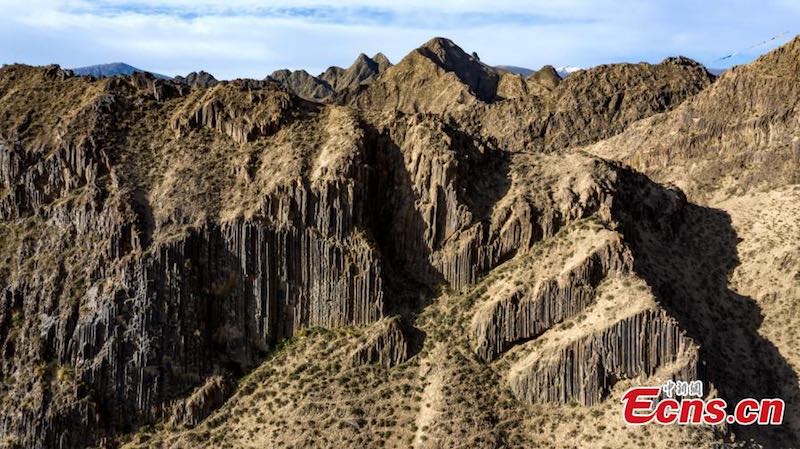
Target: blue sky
{"x": 249, "y": 38}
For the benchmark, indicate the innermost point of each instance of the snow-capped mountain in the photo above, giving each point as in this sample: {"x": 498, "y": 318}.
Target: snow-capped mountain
{"x": 564, "y": 71}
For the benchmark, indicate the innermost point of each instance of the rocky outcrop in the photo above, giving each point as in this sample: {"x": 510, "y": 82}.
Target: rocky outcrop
{"x": 546, "y": 76}
{"x": 480, "y": 78}
{"x": 201, "y": 403}
{"x": 587, "y": 106}
{"x": 524, "y": 312}
{"x": 387, "y": 345}
{"x": 363, "y": 71}
{"x": 198, "y": 79}
{"x": 585, "y": 368}
{"x": 242, "y": 110}
{"x": 438, "y": 77}
{"x": 303, "y": 84}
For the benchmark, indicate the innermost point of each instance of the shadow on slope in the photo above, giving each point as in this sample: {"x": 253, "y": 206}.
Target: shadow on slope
{"x": 419, "y": 205}
{"x": 688, "y": 264}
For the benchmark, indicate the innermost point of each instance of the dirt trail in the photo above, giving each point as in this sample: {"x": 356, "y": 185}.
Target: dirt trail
{"x": 431, "y": 396}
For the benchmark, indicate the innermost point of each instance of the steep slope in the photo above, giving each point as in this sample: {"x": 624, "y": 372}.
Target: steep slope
{"x": 447, "y": 393}
{"x": 302, "y": 84}
{"x": 739, "y": 135}
{"x": 137, "y": 290}
{"x": 363, "y": 70}
{"x": 734, "y": 148}
{"x": 436, "y": 77}
{"x": 588, "y": 106}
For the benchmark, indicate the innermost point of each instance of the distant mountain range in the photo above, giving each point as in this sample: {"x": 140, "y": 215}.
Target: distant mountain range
{"x": 566, "y": 70}
{"x": 514, "y": 69}
{"x": 112, "y": 69}
{"x": 563, "y": 71}
{"x": 361, "y": 74}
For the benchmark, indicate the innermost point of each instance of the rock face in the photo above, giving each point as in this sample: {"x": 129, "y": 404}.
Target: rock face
{"x": 224, "y": 110}
{"x": 739, "y": 135}
{"x": 589, "y": 105}
{"x": 364, "y": 70}
{"x": 519, "y": 314}
{"x": 585, "y": 369}
{"x": 437, "y": 77}
{"x": 387, "y": 345}
{"x": 160, "y": 240}
{"x": 302, "y": 84}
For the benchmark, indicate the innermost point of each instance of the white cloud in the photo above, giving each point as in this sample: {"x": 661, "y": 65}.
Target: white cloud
{"x": 243, "y": 38}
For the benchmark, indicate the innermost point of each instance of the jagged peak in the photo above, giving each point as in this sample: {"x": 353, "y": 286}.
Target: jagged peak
{"x": 382, "y": 60}
{"x": 363, "y": 62}
{"x": 361, "y": 58}
{"x": 446, "y": 52}
{"x": 481, "y": 79}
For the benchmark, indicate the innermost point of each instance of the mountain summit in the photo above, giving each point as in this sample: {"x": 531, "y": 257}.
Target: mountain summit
{"x": 481, "y": 79}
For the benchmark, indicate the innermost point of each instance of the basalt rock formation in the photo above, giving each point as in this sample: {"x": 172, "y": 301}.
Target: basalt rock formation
{"x": 388, "y": 345}
{"x": 420, "y": 254}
